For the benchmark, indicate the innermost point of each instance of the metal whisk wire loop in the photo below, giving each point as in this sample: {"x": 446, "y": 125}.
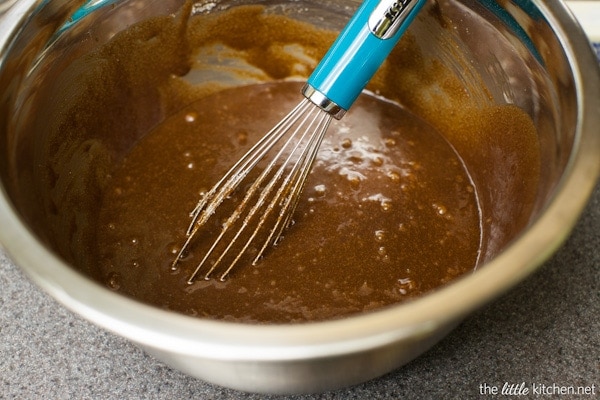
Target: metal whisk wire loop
{"x": 270, "y": 200}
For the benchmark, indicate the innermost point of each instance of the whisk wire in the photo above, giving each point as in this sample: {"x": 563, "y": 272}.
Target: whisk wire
{"x": 209, "y": 202}
{"x": 302, "y": 169}
{"x": 207, "y": 205}
{"x": 285, "y": 195}
{"x": 307, "y": 125}
{"x": 262, "y": 198}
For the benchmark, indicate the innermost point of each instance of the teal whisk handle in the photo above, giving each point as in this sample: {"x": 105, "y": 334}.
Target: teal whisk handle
{"x": 358, "y": 52}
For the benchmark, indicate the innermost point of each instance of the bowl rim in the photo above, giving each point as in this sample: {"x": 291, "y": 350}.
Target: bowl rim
{"x": 177, "y": 333}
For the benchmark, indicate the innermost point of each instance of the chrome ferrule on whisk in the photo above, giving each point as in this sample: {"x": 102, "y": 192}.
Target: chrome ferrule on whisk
{"x": 323, "y": 102}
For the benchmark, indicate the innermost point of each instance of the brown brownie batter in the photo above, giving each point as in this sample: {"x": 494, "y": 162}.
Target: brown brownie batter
{"x": 390, "y": 210}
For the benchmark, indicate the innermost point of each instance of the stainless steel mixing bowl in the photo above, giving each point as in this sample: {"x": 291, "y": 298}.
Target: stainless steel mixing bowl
{"x": 530, "y": 53}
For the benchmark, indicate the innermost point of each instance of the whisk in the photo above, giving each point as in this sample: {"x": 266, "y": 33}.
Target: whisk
{"x": 287, "y": 151}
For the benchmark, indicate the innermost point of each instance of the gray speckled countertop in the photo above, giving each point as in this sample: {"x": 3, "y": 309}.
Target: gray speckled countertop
{"x": 544, "y": 332}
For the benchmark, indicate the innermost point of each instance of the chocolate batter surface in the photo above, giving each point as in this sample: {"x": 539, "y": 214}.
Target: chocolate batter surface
{"x": 153, "y": 116}
{"x": 389, "y": 212}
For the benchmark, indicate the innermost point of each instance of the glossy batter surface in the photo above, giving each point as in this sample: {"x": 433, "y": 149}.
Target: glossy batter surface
{"x": 154, "y": 116}
{"x": 388, "y": 213}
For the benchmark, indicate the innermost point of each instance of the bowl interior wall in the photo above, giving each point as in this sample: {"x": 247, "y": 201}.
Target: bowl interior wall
{"x": 54, "y": 174}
